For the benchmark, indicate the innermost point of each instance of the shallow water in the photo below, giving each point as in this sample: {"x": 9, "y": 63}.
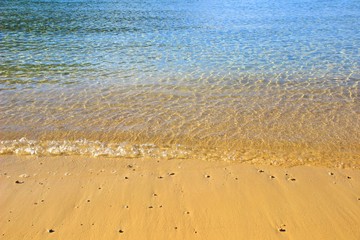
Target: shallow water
{"x": 274, "y": 82}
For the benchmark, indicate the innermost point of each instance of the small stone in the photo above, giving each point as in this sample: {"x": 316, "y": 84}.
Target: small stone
{"x": 292, "y": 179}
{"x": 171, "y": 174}
{"x": 348, "y": 177}
{"x": 19, "y": 182}
{"x": 88, "y": 200}
{"x": 272, "y": 177}
{"x": 160, "y": 177}
{"x": 126, "y": 178}
{"x": 121, "y": 231}
{"x": 129, "y": 166}
{"x": 207, "y": 176}
{"x": 260, "y": 171}
{"x": 51, "y": 230}
{"x": 150, "y": 206}
{"x": 282, "y": 230}
{"x": 331, "y": 174}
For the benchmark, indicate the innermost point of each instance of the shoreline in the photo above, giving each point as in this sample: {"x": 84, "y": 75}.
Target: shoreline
{"x": 75, "y": 197}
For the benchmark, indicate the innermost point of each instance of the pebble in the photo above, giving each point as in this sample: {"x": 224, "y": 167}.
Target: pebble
{"x": 51, "y": 230}
{"x": 19, "y": 182}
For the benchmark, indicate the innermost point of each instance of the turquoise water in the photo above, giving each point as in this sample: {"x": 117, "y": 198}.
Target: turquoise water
{"x": 237, "y": 76}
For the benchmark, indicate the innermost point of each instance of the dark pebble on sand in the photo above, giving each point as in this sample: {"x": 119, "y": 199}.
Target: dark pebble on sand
{"x": 126, "y": 178}
{"x": 121, "y": 231}
{"x": 260, "y": 171}
{"x": 282, "y": 230}
{"x": 19, "y": 182}
{"x": 150, "y": 206}
{"x": 171, "y": 174}
{"x": 292, "y": 179}
{"x": 348, "y": 177}
{"x": 51, "y": 230}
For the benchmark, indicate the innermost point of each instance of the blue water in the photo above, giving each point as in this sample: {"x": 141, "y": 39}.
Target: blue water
{"x": 126, "y": 40}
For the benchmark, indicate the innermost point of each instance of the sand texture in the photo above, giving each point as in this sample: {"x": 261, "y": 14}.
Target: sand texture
{"x": 104, "y": 198}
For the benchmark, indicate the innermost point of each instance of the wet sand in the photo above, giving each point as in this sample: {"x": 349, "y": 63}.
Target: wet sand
{"x": 105, "y": 198}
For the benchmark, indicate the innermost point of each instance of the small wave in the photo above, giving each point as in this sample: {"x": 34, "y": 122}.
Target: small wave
{"x": 85, "y": 147}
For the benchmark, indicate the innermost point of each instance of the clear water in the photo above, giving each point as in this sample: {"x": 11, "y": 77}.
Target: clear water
{"x": 257, "y": 80}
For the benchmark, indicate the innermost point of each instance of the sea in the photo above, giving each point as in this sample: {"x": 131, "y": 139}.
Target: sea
{"x": 256, "y": 81}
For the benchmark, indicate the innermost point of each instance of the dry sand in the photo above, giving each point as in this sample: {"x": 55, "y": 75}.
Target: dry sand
{"x": 100, "y": 198}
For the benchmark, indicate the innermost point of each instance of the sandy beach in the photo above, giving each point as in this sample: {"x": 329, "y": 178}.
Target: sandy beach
{"x": 106, "y": 198}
